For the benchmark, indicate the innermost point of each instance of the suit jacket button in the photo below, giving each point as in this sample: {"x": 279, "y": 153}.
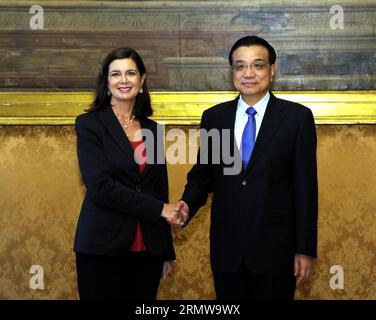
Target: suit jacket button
{"x": 244, "y": 182}
{"x": 138, "y": 188}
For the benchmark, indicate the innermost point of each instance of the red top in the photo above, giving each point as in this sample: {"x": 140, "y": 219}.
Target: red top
{"x": 140, "y": 155}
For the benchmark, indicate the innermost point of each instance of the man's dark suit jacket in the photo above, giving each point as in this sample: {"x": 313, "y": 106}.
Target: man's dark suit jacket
{"x": 118, "y": 196}
{"x": 267, "y": 213}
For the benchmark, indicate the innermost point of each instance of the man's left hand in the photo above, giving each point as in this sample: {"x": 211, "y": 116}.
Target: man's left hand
{"x": 302, "y": 267}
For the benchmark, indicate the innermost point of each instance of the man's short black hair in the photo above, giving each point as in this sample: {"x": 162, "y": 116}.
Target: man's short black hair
{"x": 253, "y": 41}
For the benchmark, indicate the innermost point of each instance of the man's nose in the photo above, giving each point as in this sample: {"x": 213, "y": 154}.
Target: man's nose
{"x": 249, "y": 72}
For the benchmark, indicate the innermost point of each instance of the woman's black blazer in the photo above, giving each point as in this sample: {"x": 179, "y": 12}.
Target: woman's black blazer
{"x": 117, "y": 196}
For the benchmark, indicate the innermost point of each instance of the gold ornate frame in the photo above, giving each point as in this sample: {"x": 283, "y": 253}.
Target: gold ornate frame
{"x": 182, "y": 108}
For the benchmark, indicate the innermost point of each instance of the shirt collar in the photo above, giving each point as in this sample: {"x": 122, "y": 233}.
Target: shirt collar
{"x": 260, "y": 106}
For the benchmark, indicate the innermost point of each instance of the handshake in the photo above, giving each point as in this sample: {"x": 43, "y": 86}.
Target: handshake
{"x": 176, "y": 214}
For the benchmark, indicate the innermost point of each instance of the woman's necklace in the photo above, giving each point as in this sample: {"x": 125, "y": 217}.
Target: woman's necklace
{"x": 125, "y": 123}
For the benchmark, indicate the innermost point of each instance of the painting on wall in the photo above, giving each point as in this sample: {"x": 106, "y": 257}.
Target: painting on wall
{"x": 186, "y": 45}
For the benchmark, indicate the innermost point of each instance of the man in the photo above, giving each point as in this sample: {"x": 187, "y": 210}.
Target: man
{"x": 263, "y": 234}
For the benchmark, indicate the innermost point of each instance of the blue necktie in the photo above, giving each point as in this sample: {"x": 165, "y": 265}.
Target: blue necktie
{"x": 248, "y": 138}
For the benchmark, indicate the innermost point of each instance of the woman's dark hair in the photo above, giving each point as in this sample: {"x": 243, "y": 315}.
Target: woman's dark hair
{"x": 142, "y": 107}
{"x": 253, "y": 41}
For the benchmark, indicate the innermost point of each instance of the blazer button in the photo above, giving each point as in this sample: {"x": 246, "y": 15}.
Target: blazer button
{"x": 244, "y": 182}
{"x": 138, "y": 188}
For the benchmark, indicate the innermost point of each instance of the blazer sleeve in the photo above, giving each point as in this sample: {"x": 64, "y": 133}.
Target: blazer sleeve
{"x": 306, "y": 187}
{"x": 101, "y": 186}
{"x": 170, "y": 254}
{"x": 199, "y": 178}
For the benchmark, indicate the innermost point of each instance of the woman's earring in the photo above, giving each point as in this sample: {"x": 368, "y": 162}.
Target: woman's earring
{"x": 141, "y": 90}
{"x": 108, "y": 92}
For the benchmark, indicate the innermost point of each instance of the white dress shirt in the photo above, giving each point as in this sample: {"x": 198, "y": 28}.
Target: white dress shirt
{"x": 242, "y": 117}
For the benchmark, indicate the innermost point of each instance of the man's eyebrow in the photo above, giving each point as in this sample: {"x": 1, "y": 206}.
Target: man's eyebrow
{"x": 257, "y": 59}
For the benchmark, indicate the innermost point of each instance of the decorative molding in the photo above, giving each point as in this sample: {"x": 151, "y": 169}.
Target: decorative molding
{"x": 267, "y": 15}
{"x": 182, "y": 4}
{"x": 182, "y": 108}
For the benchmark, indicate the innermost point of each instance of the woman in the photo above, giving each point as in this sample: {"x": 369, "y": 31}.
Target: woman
{"x": 123, "y": 243}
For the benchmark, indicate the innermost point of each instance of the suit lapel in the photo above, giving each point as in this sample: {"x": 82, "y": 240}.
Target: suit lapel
{"x": 116, "y": 131}
{"x": 151, "y": 148}
{"x": 229, "y": 116}
{"x": 274, "y": 114}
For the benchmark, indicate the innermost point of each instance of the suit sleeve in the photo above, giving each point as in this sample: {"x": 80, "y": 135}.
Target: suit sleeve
{"x": 101, "y": 186}
{"x": 199, "y": 178}
{"x": 170, "y": 254}
{"x": 306, "y": 187}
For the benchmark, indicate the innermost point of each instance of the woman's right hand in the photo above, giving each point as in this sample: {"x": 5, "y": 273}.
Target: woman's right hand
{"x": 172, "y": 215}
